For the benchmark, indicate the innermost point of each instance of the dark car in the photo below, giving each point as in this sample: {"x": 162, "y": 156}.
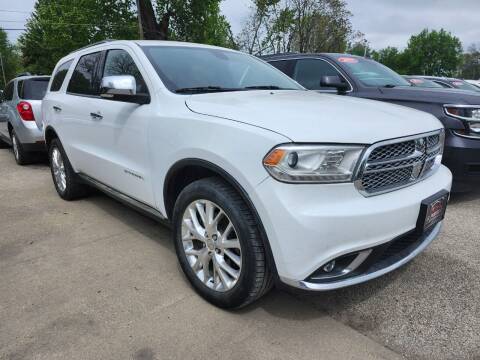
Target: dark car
{"x": 421, "y": 82}
{"x": 451, "y": 83}
{"x": 458, "y": 110}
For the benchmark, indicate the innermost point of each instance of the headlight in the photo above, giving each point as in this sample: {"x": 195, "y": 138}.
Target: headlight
{"x": 313, "y": 163}
{"x": 470, "y": 114}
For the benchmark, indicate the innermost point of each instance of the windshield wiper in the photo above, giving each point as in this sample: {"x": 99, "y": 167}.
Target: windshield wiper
{"x": 265, "y": 87}
{"x": 201, "y": 89}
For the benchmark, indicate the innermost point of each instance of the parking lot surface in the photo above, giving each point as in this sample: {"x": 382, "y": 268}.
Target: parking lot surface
{"x": 93, "y": 279}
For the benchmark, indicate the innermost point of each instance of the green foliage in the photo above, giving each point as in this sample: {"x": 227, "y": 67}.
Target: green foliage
{"x": 58, "y": 27}
{"x": 296, "y": 25}
{"x": 433, "y": 53}
{"x": 390, "y": 57}
{"x": 198, "y": 21}
{"x": 10, "y": 59}
{"x": 436, "y": 53}
{"x": 471, "y": 63}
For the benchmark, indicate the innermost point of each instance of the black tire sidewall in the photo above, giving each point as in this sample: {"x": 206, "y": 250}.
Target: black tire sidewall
{"x": 22, "y": 158}
{"x": 205, "y": 190}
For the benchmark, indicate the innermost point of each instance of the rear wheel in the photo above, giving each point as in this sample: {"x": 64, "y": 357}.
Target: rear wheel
{"x": 219, "y": 246}
{"x": 22, "y": 157}
{"x": 65, "y": 179}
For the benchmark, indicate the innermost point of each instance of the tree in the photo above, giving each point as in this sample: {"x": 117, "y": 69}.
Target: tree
{"x": 296, "y": 25}
{"x": 150, "y": 28}
{"x": 390, "y": 57}
{"x": 10, "y": 59}
{"x": 58, "y": 27}
{"x": 471, "y": 63}
{"x": 359, "y": 45}
{"x": 433, "y": 53}
{"x": 197, "y": 21}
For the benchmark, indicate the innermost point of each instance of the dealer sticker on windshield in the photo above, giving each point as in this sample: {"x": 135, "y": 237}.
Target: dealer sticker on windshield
{"x": 348, "y": 60}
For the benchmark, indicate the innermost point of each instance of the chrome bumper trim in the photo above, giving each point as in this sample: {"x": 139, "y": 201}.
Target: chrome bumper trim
{"x": 366, "y": 277}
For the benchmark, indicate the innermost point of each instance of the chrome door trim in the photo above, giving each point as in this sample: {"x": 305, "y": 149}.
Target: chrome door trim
{"x": 128, "y": 200}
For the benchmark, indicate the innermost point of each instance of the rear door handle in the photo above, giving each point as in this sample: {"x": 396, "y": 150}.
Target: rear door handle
{"x": 96, "y": 116}
{"x": 57, "y": 108}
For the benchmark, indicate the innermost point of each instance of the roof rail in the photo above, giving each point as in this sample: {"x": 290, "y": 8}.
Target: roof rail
{"x": 94, "y": 44}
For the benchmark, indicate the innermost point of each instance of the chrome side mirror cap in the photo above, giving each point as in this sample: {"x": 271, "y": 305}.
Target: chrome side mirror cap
{"x": 119, "y": 84}
{"x": 122, "y": 88}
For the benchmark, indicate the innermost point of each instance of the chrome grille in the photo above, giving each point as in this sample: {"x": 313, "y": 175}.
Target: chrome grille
{"x": 394, "y": 164}
{"x": 393, "y": 151}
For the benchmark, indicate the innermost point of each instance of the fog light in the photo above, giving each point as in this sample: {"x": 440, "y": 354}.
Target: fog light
{"x": 329, "y": 267}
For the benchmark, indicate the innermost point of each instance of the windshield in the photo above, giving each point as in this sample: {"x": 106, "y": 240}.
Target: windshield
{"x": 424, "y": 83}
{"x": 463, "y": 85}
{"x": 33, "y": 89}
{"x": 195, "y": 70}
{"x": 371, "y": 73}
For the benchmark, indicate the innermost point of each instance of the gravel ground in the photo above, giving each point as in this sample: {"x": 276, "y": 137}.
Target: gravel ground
{"x": 92, "y": 279}
{"x": 429, "y": 309}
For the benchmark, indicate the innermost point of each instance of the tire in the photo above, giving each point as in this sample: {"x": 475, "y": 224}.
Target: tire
{"x": 66, "y": 181}
{"x": 22, "y": 157}
{"x": 252, "y": 276}
{"x": 3, "y": 144}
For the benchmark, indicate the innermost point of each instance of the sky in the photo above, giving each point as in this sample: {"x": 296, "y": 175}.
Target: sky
{"x": 384, "y": 22}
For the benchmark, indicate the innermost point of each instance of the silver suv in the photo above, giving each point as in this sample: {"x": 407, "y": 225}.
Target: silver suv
{"x": 21, "y": 116}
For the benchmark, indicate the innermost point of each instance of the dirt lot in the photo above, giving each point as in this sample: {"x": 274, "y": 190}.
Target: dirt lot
{"x": 93, "y": 279}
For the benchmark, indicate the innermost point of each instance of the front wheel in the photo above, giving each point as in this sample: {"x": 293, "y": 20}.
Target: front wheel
{"x": 65, "y": 179}
{"x": 219, "y": 246}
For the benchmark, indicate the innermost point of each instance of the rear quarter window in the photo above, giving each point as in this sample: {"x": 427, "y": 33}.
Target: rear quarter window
{"x": 60, "y": 75}
{"x": 33, "y": 89}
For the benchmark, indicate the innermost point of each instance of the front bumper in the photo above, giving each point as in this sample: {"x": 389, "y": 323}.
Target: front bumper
{"x": 311, "y": 225}
{"x": 380, "y": 267}
{"x": 462, "y": 157}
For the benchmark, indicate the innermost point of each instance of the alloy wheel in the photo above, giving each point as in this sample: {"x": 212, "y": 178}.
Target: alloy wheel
{"x": 16, "y": 151}
{"x": 211, "y": 245}
{"x": 58, "y": 168}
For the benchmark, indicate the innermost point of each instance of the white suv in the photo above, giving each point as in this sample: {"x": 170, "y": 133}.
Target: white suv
{"x": 262, "y": 181}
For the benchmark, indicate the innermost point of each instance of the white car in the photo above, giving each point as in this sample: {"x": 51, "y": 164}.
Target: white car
{"x": 474, "y": 82}
{"x": 262, "y": 181}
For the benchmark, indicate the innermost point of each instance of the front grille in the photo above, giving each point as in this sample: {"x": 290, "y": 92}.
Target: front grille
{"x": 391, "y": 165}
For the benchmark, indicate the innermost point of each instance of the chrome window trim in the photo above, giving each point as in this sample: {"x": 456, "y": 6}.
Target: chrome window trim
{"x": 322, "y": 59}
{"x": 364, "y": 160}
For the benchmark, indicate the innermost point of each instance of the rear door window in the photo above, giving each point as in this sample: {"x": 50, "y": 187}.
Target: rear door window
{"x": 119, "y": 62}
{"x": 84, "y": 80}
{"x": 309, "y": 72}
{"x": 60, "y": 75}
{"x": 33, "y": 89}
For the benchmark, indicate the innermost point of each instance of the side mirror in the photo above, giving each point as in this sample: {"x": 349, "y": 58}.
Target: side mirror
{"x": 335, "y": 82}
{"x": 122, "y": 88}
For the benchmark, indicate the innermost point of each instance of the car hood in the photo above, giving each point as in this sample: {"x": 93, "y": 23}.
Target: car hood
{"x": 427, "y": 95}
{"x": 306, "y": 116}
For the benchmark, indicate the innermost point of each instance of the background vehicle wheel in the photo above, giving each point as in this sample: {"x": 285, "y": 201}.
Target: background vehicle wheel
{"x": 64, "y": 177}
{"x": 219, "y": 246}
{"x": 21, "y": 156}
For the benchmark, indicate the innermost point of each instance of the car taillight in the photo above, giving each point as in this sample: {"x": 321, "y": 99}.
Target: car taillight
{"x": 25, "y": 110}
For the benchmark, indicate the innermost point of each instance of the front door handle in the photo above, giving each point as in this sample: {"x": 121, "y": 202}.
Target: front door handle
{"x": 57, "y": 108}
{"x": 96, "y": 116}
